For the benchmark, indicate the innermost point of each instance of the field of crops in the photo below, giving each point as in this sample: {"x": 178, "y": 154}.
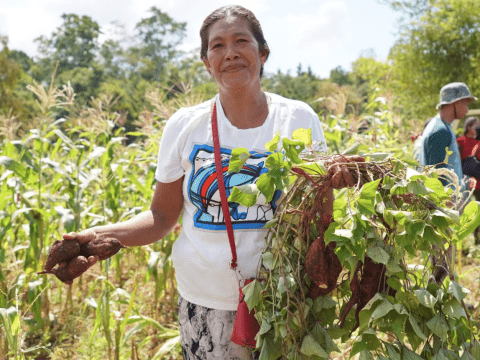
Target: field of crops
{"x": 75, "y": 168}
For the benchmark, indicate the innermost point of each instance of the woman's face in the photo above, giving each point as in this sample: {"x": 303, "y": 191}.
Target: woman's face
{"x": 233, "y": 57}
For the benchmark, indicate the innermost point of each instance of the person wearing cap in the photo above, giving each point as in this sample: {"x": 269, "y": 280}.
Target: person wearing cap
{"x": 438, "y": 135}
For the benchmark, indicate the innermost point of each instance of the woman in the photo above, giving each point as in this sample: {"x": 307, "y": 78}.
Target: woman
{"x": 234, "y": 51}
{"x": 466, "y": 145}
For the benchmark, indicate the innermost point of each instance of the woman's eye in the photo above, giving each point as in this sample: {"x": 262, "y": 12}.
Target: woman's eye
{"x": 241, "y": 40}
{"x": 216, "y": 46}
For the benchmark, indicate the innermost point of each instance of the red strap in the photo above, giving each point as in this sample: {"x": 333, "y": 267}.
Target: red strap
{"x": 221, "y": 186}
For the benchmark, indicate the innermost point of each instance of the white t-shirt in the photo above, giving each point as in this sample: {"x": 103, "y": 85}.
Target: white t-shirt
{"x": 201, "y": 255}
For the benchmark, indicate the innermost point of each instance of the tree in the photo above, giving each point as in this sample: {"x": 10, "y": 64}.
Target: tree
{"x": 10, "y": 74}
{"x": 73, "y": 44}
{"x": 158, "y": 39}
{"x": 302, "y": 87}
{"x": 441, "y": 44}
{"x": 340, "y": 76}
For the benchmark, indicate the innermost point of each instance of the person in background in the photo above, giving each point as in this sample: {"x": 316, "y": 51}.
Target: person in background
{"x": 467, "y": 143}
{"x": 436, "y": 139}
{"x": 438, "y": 136}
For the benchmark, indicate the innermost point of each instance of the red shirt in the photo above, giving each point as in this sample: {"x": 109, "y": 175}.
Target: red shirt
{"x": 466, "y": 146}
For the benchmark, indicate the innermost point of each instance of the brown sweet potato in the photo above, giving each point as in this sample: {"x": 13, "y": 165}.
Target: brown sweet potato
{"x": 61, "y": 250}
{"x": 323, "y": 268}
{"x": 66, "y": 272}
{"x": 103, "y": 248}
{"x": 373, "y": 280}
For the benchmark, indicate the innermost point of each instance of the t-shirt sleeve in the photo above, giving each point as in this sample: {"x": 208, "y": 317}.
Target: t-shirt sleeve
{"x": 435, "y": 145}
{"x": 169, "y": 164}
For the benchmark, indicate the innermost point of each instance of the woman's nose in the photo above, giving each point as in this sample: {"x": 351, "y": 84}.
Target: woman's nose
{"x": 231, "y": 53}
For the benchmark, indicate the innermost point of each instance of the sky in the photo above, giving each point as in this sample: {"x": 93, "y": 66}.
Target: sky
{"x": 320, "y": 34}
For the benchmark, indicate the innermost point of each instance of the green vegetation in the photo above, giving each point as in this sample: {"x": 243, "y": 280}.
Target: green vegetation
{"x": 79, "y": 148}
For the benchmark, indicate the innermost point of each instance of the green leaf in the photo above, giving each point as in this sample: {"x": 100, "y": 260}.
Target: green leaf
{"x": 313, "y": 167}
{"x": 271, "y": 223}
{"x": 366, "y": 200}
{"x": 469, "y": 220}
{"x": 238, "y": 158}
{"x": 401, "y": 216}
{"x": 352, "y": 150}
{"x": 457, "y": 290}
{"x": 365, "y": 355}
{"x": 14, "y": 166}
{"x": 393, "y": 282}
{"x": 339, "y": 208}
{"x": 269, "y": 260}
{"x": 323, "y": 338}
{"x": 253, "y": 294}
{"x": 408, "y": 299}
{"x": 323, "y": 302}
{"x": 393, "y": 353}
{"x": 416, "y": 227}
{"x": 452, "y": 215}
{"x": 246, "y": 195}
{"x": 417, "y": 188}
{"x": 409, "y": 355}
{"x": 265, "y": 327}
{"x": 271, "y": 349}
{"x": 425, "y": 298}
{"x": 416, "y": 328}
{"x": 454, "y": 309}
{"x": 413, "y": 174}
{"x": 303, "y": 135}
{"x": 440, "y": 355}
{"x": 358, "y": 346}
{"x": 432, "y": 235}
{"x": 340, "y": 236}
{"x": 382, "y": 309}
{"x": 266, "y": 186}
{"x": 438, "y": 188}
{"x": 272, "y": 145}
{"x": 274, "y": 161}
{"x": 378, "y": 255}
{"x": 438, "y": 325}
{"x": 292, "y": 149}
{"x": 310, "y": 347}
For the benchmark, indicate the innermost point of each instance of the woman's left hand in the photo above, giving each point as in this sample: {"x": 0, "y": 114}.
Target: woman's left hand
{"x": 338, "y": 172}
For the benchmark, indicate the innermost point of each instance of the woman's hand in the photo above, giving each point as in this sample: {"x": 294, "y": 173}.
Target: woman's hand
{"x": 338, "y": 172}
{"x": 82, "y": 237}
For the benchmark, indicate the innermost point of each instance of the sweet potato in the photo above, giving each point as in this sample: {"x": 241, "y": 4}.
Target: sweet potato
{"x": 66, "y": 272}
{"x": 103, "y": 248}
{"x": 323, "y": 267}
{"x": 373, "y": 280}
{"x": 61, "y": 250}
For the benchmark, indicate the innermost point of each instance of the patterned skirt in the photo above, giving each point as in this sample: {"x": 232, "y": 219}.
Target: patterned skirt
{"x": 205, "y": 334}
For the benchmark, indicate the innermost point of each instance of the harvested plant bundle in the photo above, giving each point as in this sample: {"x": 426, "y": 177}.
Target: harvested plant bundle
{"x": 316, "y": 272}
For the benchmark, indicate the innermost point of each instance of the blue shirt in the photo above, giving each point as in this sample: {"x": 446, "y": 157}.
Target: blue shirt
{"x": 437, "y": 136}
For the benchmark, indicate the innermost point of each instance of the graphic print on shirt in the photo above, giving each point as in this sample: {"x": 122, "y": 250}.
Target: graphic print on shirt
{"x": 203, "y": 191}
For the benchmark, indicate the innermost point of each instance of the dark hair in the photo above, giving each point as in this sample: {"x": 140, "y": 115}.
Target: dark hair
{"x": 232, "y": 11}
{"x": 469, "y": 123}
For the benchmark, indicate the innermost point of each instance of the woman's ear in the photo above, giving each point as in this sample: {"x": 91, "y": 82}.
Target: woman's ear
{"x": 263, "y": 57}
{"x": 207, "y": 65}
